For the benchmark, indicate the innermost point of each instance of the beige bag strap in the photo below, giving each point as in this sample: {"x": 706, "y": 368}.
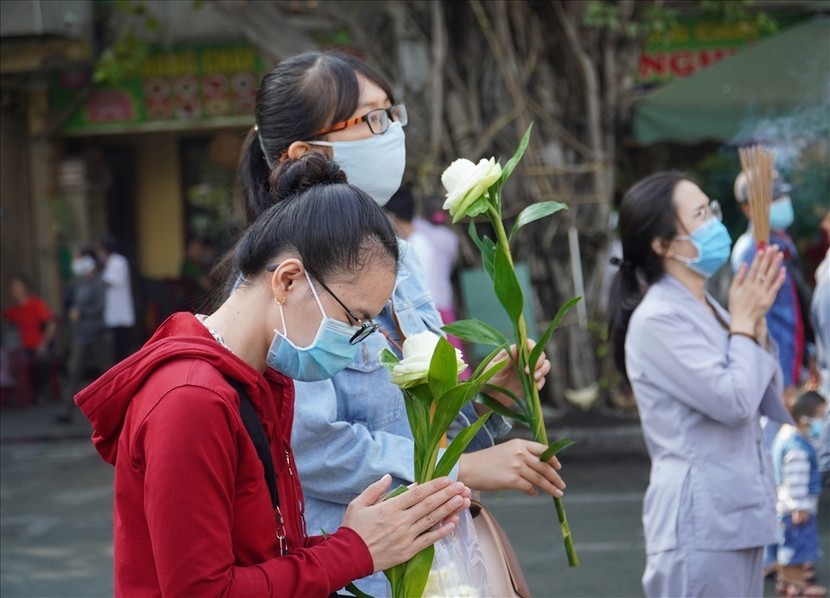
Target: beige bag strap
{"x": 504, "y": 574}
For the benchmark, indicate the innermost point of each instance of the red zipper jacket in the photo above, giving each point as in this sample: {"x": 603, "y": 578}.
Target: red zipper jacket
{"x": 193, "y": 515}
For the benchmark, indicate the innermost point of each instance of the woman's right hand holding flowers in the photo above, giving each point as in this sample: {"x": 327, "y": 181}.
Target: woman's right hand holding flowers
{"x": 753, "y": 292}
{"x": 512, "y": 465}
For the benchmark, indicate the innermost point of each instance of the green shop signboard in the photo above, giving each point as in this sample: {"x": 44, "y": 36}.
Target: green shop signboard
{"x": 693, "y": 44}
{"x": 179, "y": 88}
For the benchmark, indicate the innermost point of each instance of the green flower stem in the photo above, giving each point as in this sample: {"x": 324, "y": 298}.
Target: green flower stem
{"x": 535, "y": 406}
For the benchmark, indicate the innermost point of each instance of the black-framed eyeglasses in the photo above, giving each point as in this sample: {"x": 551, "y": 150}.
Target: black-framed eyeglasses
{"x": 364, "y": 328}
{"x": 378, "y": 120}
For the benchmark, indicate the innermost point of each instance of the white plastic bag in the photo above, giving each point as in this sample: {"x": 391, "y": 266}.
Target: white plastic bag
{"x": 458, "y": 568}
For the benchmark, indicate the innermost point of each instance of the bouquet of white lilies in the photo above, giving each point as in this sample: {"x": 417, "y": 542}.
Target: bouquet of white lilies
{"x": 433, "y": 396}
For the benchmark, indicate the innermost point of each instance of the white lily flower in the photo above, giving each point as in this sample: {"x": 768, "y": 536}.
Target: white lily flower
{"x": 466, "y": 182}
{"x": 413, "y": 369}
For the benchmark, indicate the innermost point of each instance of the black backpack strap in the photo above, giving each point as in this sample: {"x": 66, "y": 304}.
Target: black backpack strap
{"x": 258, "y": 437}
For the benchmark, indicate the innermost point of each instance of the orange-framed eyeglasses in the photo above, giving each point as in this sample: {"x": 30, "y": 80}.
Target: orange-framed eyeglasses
{"x": 378, "y": 120}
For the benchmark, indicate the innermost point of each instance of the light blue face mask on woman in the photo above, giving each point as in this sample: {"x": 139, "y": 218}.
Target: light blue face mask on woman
{"x": 329, "y": 353}
{"x": 713, "y": 245}
{"x": 375, "y": 164}
{"x": 781, "y": 214}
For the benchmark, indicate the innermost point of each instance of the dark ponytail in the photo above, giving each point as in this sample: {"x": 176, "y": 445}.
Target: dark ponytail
{"x": 330, "y": 225}
{"x": 647, "y": 212}
{"x": 296, "y": 99}
{"x": 253, "y": 177}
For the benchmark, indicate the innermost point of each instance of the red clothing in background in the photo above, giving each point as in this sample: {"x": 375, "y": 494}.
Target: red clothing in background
{"x": 30, "y": 318}
{"x": 193, "y": 515}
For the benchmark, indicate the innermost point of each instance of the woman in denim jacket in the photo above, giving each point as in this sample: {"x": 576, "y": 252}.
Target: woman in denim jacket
{"x": 353, "y": 426}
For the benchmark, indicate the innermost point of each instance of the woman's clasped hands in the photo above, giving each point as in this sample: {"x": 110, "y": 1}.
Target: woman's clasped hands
{"x": 397, "y": 529}
{"x": 753, "y": 292}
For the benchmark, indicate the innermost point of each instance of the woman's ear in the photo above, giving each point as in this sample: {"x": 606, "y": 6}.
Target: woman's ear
{"x": 284, "y": 277}
{"x": 660, "y": 246}
{"x": 299, "y": 148}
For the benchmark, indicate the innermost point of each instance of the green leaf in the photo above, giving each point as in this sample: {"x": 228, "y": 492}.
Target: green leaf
{"x": 502, "y": 410}
{"x": 357, "y": 591}
{"x": 443, "y": 369}
{"x": 528, "y": 384}
{"x": 486, "y": 361}
{"x": 479, "y": 241}
{"x": 476, "y": 331}
{"x": 534, "y": 212}
{"x": 447, "y": 407}
{"x": 514, "y": 161}
{"x": 486, "y": 246}
{"x": 488, "y": 373}
{"x": 457, "y": 446}
{"x": 554, "y": 448}
{"x": 388, "y": 359}
{"x": 417, "y": 572}
{"x": 507, "y": 286}
{"x": 516, "y": 399}
{"x": 450, "y": 404}
{"x": 545, "y": 338}
{"x": 395, "y": 576}
{"x": 417, "y": 411}
{"x": 479, "y": 206}
{"x": 419, "y": 392}
{"x": 396, "y": 492}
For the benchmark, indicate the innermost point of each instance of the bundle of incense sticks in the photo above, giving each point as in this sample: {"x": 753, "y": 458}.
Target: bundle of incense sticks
{"x": 758, "y": 166}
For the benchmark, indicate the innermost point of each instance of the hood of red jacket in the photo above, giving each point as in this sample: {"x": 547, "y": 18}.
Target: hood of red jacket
{"x": 181, "y": 336}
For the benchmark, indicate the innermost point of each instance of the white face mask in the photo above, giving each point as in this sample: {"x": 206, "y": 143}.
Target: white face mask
{"x": 375, "y": 164}
{"x": 83, "y": 265}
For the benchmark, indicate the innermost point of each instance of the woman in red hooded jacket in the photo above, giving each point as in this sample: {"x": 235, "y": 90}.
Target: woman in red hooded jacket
{"x": 194, "y": 515}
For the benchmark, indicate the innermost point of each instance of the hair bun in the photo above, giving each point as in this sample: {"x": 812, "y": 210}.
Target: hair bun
{"x": 290, "y": 177}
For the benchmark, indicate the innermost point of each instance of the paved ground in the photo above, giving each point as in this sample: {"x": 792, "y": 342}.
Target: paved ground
{"x": 603, "y": 503}
{"x": 56, "y": 519}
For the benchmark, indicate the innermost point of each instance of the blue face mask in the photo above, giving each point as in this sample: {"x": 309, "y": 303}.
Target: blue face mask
{"x": 713, "y": 245}
{"x": 815, "y": 428}
{"x": 375, "y": 164}
{"x": 781, "y": 213}
{"x": 329, "y": 353}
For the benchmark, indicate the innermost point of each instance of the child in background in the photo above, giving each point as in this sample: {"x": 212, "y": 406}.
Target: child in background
{"x": 799, "y": 485}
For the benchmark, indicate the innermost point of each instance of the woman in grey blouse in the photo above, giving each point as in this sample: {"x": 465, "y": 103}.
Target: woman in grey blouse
{"x": 701, "y": 376}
